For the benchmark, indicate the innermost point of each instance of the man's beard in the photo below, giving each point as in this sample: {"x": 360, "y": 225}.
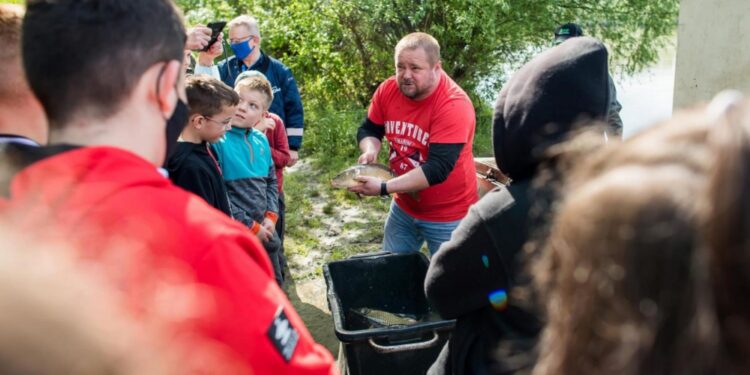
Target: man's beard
{"x": 415, "y": 91}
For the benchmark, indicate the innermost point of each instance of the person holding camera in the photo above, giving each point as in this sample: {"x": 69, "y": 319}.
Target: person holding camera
{"x": 245, "y": 41}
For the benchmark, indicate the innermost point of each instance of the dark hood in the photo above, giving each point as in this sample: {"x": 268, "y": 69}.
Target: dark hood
{"x": 181, "y": 152}
{"x": 543, "y": 101}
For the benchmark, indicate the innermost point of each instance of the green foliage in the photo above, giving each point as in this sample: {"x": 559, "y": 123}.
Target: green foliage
{"x": 332, "y": 132}
{"x": 483, "y": 131}
{"x": 341, "y": 50}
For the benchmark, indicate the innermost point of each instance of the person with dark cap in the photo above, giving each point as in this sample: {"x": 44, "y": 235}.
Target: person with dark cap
{"x": 572, "y": 30}
{"x": 478, "y": 277}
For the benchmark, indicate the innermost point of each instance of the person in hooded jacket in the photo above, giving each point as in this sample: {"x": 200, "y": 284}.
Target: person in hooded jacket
{"x": 193, "y": 165}
{"x": 478, "y": 277}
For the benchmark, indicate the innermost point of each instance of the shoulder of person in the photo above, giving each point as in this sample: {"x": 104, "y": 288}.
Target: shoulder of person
{"x": 261, "y": 136}
{"x": 496, "y": 202}
{"x": 226, "y": 61}
{"x": 278, "y": 64}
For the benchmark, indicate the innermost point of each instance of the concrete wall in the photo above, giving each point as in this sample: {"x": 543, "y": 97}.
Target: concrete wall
{"x": 713, "y": 49}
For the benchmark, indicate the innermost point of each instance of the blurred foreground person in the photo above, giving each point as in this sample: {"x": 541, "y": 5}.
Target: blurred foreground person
{"x": 624, "y": 274}
{"x": 98, "y": 190}
{"x": 729, "y": 228}
{"x": 479, "y": 276}
{"x": 61, "y": 315}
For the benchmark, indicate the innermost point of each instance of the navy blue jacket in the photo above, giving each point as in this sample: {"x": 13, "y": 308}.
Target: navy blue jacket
{"x": 286, "y": 100}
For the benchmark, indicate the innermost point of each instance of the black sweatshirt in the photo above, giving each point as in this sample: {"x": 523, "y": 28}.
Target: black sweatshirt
{"x": 485, "y": 256}
{"x": 192, "y": 168}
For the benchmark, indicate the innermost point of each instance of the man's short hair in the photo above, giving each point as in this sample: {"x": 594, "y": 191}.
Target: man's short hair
{"x": 208, "y": 96}
{"x": 256, "y": 82}
{"x": 421, "y": 40}
{"x": 12, "y": 82}
{"x": 86, "y": 56}
{"x": 247, "y": 21}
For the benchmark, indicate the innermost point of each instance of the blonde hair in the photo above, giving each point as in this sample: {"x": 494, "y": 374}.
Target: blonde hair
{"x": 256, "y": 83}
{"x": 248, "y": 22}
{"x": 420, "y": 40}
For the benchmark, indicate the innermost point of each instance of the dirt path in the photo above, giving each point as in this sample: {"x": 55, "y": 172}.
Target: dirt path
{"x": 324, "y": 225}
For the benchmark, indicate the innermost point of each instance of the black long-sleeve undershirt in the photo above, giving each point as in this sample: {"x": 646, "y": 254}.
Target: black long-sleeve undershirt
{"x": 370, "y": 129}
{"x": 441, "y": 157}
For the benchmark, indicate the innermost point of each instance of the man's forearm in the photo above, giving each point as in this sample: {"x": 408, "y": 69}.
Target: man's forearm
{"x": 370, "y": 144}
{"x": 414, "y": 180}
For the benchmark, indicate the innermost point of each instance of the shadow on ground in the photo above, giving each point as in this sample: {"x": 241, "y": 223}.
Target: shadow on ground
{"x": 309, "y": 299}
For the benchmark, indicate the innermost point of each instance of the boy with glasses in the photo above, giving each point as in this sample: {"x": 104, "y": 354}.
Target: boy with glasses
{"x": 193, "y": 165}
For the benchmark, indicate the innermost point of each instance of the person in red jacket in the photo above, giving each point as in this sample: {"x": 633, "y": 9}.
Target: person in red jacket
{"x": 273, "y": 127}
{"x": 115, "y": 107}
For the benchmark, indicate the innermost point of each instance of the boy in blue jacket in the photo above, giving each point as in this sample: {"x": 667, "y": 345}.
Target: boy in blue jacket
{"x": 248, "y": 170}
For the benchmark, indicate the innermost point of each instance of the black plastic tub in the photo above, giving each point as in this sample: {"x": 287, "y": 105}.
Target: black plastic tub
{"x": 393, "y": 283}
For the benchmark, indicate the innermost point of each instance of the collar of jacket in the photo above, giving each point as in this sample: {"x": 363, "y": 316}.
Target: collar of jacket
{"x": 261, "y": 65}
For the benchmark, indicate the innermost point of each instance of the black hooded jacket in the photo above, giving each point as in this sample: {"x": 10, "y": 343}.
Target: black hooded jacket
{"x": 193, "y": 169}
{"x": 484, "y": 259}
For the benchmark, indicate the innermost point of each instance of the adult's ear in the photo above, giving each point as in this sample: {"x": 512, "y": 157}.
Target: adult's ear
{"x": 166, "y": 87}
{"x": 438, "y": 66}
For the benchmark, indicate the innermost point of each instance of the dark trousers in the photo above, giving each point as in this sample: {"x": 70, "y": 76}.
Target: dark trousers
{"x": 280, "y": 226}
{"x": 273, "y": 248}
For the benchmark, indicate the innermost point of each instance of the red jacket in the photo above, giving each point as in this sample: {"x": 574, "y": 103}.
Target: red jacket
{"x": 107, "y": 202}
{"x": 279, "y": 148}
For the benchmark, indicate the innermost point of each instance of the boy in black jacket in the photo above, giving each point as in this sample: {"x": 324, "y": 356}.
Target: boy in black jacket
{"x": 193, "y": 166}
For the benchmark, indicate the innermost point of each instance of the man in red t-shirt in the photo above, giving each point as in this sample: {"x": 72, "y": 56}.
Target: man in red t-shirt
{"x": 429, "y": 123}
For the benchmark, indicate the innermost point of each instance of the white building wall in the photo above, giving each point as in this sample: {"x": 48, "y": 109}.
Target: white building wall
{"x": 713, "y": 49}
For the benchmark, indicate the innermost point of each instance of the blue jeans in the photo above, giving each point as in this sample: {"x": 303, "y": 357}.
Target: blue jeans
{"x": 405, "y": 234}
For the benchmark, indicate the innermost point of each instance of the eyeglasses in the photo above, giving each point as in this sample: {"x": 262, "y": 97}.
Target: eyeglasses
{"x": 226, "y": 123}
{"x": 240, "y": 40}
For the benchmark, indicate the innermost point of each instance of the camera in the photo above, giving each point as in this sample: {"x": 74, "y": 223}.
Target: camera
{"x": 216, "y": 28}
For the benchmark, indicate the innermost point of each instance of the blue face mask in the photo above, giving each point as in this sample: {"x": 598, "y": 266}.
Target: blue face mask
{"x": 242, "y": 49}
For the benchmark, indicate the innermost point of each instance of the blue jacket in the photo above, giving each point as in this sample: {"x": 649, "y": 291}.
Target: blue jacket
{"x": 286, "y": 100}
{"x": 247, "y": 167}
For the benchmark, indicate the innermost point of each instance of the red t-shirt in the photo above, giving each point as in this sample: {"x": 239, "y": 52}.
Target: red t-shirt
{"x": 446, "y": 116}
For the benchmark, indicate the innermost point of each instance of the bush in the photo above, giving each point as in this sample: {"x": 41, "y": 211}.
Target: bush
{"x": 331, "y": 135}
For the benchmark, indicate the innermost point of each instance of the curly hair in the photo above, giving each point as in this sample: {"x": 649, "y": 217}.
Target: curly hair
{"x": 728, "y": 232}
{"x": 622, "y": 274}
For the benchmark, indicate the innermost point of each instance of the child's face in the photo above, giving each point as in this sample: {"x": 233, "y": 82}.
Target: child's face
{"x": 251, "y": 108}
{"x": 214, "y": 127}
